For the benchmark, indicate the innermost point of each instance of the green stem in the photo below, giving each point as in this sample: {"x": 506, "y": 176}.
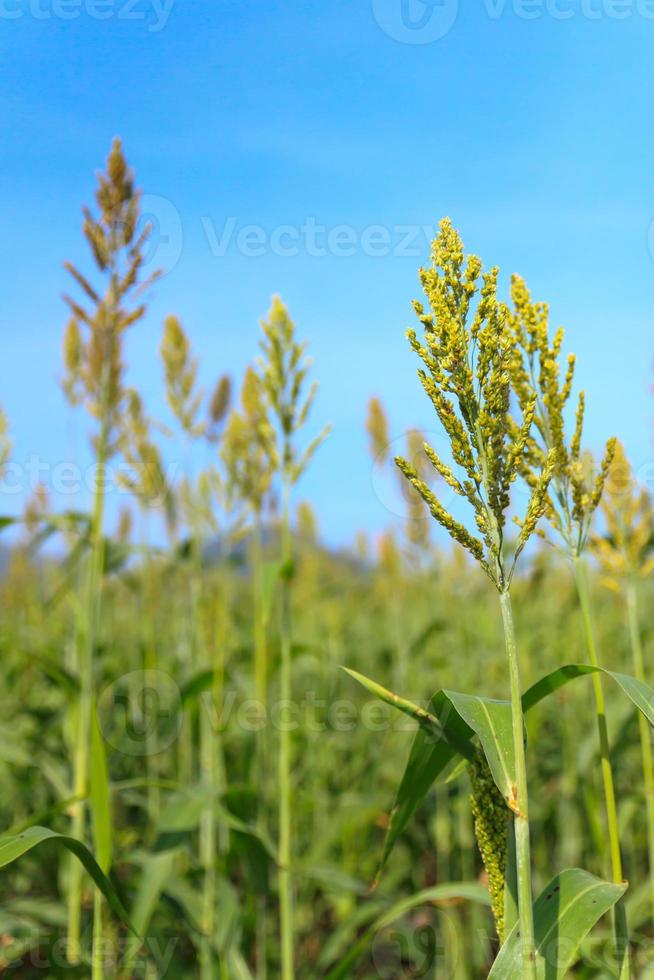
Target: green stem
{"x": 97, "y": 953}
{"x": 620, "y": 916}
{"x": 148, "y": 593}
{"x": 90, "y": 623}
{"x": 521, "y": 809}
{"x": 261, "y": 694}
{"x": 207, "y": 760}
{"x": 644, "y": 728}
{"x": 285, "y": 694}
{"x": 207, "y": 843}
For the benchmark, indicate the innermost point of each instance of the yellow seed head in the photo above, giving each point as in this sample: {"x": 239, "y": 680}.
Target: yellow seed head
{"x": 377, "y": 429}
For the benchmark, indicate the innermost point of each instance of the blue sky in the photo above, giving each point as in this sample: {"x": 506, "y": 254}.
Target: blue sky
{"x": 528, "y": 122}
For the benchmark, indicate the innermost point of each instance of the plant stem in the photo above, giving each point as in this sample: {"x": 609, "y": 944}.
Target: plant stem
{"x": 207, "y": 761}
{"x": 207, "y": 843}
{"x": 261, "y": 694}
{"x": 620, "y": 915}
{"x": 147, "y": 598}
{"x": 97, "y": 967}
{"x": 521, "y": 812}
{"x": 285, "y": 694}
{"x": 644, "y": 728}
{"x": 91, "y": 617}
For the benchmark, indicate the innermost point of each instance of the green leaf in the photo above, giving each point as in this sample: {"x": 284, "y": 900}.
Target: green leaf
{"x": 458, "y": 717}
{"x": 491, "y": 721}
{"x": 430, "y": 756}
{"x": 564, "y": 914}
{"x": 640, "y": 694}
{"x": 63, "y": 677}
{"x": 100, "y": 796}
{"x": 428, "y": 760}
{"x": 238, "y": 968}
{"x": 429, "y": 896}
{"x": 339, "y": 940}
{"x": 419, "y": 715}
{"x": 446, "y": 730}
{"x": 179, "y": 816}
{"x": 436, "y": 626}
{"x": 270, "y": 575}
{"x": 156, "y": 871}
{"x": 198, "y": 684}
{"x": 13, "y": 846}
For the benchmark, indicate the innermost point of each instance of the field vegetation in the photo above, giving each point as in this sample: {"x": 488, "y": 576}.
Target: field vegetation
{"x": 228, "y": 751}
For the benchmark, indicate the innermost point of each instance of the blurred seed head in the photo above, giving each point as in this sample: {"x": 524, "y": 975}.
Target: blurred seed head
{"x": 284, "y": 367}
{"x": 221, "y": 400}
{"x": 307, "y": 523}
{"x": 93, "y": 341}
{"x": 626, "y": 551}
{"x": 377, "y": 429}
{"x": 5, "y": 441}
{"x": 181, "y": 375}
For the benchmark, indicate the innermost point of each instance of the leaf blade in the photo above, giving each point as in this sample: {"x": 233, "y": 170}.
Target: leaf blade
{"x": 13, "y": 846}
{"x": 564, "y": 913}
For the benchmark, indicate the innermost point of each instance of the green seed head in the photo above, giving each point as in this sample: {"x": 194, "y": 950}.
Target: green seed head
{"x": 575, "y": 490}
{"x": 467, "y": 351}
{"x": 491, "y": 820}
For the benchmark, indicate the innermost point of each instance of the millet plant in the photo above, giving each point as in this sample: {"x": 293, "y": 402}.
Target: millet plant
{"x": 624, "y": 553}
{"x": 284, "y": 367}
{"x": 93, "y": 348}
{"x": 473, "y": 375}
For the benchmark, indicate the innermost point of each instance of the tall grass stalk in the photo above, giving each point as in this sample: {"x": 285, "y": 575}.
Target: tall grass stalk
{"x": 90, "y": 618}
{"x": 94, "y": 376}
{"x": 284, "y": 368}
{"x": 576, "y": 492}
{"x": 521, "y": 809}
{"x": 624, "y": 558}
{"x": 249, "y": 456}
{"x": 466, "y": 357}
{"x": 644, "y": 729}
{"x": 284, "y": 774}
{"x": 619, "y": 913}
{"x": 261, "y": 694}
